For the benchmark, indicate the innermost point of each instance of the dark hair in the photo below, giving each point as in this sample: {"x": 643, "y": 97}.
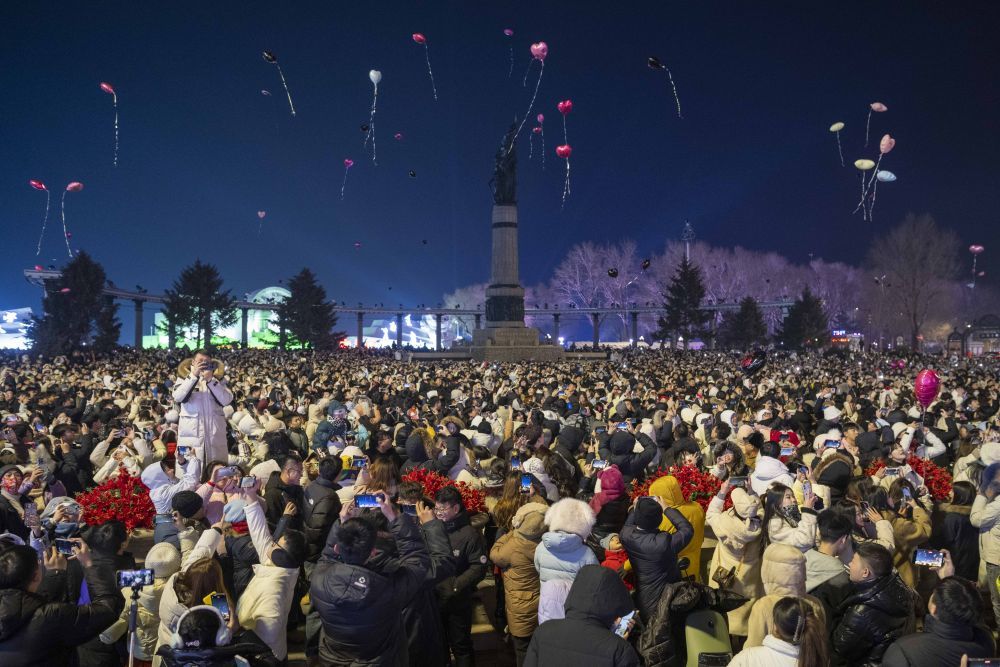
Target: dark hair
{"x": 833, "y": 526}
{"x": 410, "y": 492}
{"x": 681, "y": 431}
{"x": 963, "y": 493}
{"x": 108, "y": 537}
{"x": 771, "y": 448}
{"x": 448, "y": 495}
{"x": 330, "y": 468}
{"x": 355, "y": 540}
{"x": 772, "y": 502}
{"x": 896, "y": 493}
{"x": 290, "y": 457}
{"x": 201, "y": 351}
{"x": 531, "y": 434}
{"x": 957, "y": 601}
{"x": 198, "y": 629}
{"x": 877, "y": 557}
{"x": 795, "y": 622}
{"x": 723, "y": 430}
{"x": 295, "y": 546}
{"x": 18, "y": 564}
{"x": 202, "y": 577}
{"x": 755, "y": 439}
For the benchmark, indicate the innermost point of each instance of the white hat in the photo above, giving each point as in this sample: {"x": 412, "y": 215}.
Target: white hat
{"x": 172, "y": 417}
{"x": 688, "y": 415}
{"x": 989, "y": 453}
{"x": 163, "y": 559}
{"x": 898, "y": 429}
{"x": 830, "y": 413}
{"x": 728, "y": 417}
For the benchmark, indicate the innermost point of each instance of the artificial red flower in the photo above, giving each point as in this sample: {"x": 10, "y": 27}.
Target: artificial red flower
{"x": 936, "y": 479}
{"x": 124, "y": 498}
{"x": 473, "y": 499}
{"x": 695, "y": 485}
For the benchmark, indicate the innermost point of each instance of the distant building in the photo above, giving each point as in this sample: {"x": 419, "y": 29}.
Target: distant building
{"x": 979, "y": 338}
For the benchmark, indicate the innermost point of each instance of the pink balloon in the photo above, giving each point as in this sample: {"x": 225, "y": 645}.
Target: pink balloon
{"x": 564, "y": 151}
{"x": 878, "y": 107}
{"x": 508, "y": 32}
{"x": 38, "y": 185}
{"x": 106, "y": 87}
{"x": 540, "y": 118}
{"x": 64, "y": 290}
{"x": 348, "y": 163}
{"x": 565, "y": 107}
{"x": 75, "y": 186}
{"x": 398, "y": 136}
{"x": 536, "y": 130}
{"x": 357, "y": 245}
{"x": 419, "y": 38}
{"x": 926, "y": 387}
{"x": 38, "y": 267}
{"x": 887, "y": 144}
{"x": 539, "y": 50}
{"x": 261, "y": 214}
{"x": 69, "y": 235}
{"x": 976, "y": 249}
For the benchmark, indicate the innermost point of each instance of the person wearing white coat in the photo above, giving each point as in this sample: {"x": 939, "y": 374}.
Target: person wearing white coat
{"x": 202, "y": 423}
{"x": 797, "y": 637}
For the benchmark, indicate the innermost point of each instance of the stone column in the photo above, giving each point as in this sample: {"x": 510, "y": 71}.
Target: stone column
{"x": 244, "y": 337}
{"x": 138, "y": 322}
{"x": 399, "y": 330}
{"x": 437, "y": 327}
{"x": 595, "y": 319}
{"x": 635, "y": 328}
{"x": 504, "y": 295}
{"x": 361, "y": 329}
{"x": 479, "y": 321}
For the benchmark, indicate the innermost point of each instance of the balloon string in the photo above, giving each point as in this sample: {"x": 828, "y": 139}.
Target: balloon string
{"x": 673, "y": 86}
{"x": 868, "y": 125}
{"x": 511, "y": 70}
{"x": 865, "y": 188}
{"x": 287, "y": 92}
{"x": 371, "y": 126}
{"x": 65, "y": 231}
{"x": 543, "y": 148}
{"x": 524, "y": 81}
{"x": 45, "y": 221}
{"x": 531, "y": 145}
{"x": 839, "y": 149}
{"x": 566, "y": 188}
{"x": 565, "y": 137}
{"x": 871, "y": 203}
{"x": 427, "y": 56}
{"x": 114, "y": 100}
{"x": 344, "y": 184}
{"x": 530, "y": 105}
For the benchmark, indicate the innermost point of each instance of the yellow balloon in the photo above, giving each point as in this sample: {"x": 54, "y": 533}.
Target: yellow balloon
{"x": 864, "y": 165}
{"x": 837, "y": 127}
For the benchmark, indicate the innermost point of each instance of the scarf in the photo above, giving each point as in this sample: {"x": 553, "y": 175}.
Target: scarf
{"x": 240, "y": 527}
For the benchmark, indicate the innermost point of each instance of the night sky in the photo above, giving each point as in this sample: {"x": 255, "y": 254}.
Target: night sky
{"x": 751, "y": 163}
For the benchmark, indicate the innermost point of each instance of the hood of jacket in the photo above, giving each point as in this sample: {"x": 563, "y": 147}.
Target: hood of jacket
{"x": 821, "y": 568}
{"x": 597, "y": 594}
{"x": 16, "y": 609}
{"x": 669, "y": 489}
{"x": 834, "y": 471}
{"x": 153, "y": 476}
{"x": 529, "y": 521}
{"x": 571, "y": 437}
{"x": 415, "y": 450}
{"x": 768, "y": 469}
{"x": 560, "y": 543}
{"x": 315, "y": 413}
{"x": 783, "y": 570}
{"x": 621, "y": 443}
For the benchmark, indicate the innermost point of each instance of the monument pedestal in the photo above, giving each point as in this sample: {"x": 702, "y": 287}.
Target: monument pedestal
{"x": 512, "y": 344}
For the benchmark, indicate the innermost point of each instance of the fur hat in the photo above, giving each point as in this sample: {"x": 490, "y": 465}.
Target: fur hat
{"x": 831, "y": 413}
{"x": 172, "y": 417}
{"x": 529, "y": 520}
{"x": 163, "y": 559}
{"x": 570, "y": 515}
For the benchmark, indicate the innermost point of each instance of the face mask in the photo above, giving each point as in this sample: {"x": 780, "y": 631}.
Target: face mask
{"x": 67, "y": 528}
{"x": 11, "y": 485}
{"x": 793, "y": 513}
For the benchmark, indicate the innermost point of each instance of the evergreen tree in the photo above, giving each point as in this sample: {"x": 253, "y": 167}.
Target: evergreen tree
{"x": 307, "y": 315}
{"x": 197, "y": 299}
{"x": 683, "y": 305}
{"x": 806, "y": 325}
{"x": 74, "y": 311}
{"x": 107, "y": 325}
{"x": 743, "y": 328}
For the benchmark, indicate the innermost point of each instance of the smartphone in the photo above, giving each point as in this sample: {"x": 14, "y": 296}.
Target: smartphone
{"x": 184, "y": 451}
{"x": 928, "y": 557}
{"x": 804, "y": 470}
{"x": 599, "y": 464}
{"x": 220, "y": 602}
{"x": 65, "y": 547}
{"x": 39, "y": 427}
{"x": 738, "y": 482}
{"x": 515, "y": 463}
{"x": 866, "y": 507}
{"x": 148, "y": 435}
{"x": 601, "y": 429}
{"x": 248, "y": 482}
{"x": 135, "y": 578}
{"x": 623, "y": 426}
{"x": 525, "y": 483}
{"x": 228, "y": 471}
{"x": 907, "y": 494}
{"x": 891, "y": 472}
{"x": 30, "y": 515}
{"x": 788, "y": 451}
{"x": 832, "y": 444}
{"x": 807, "y": 487}
{"x": 983, "y": 662}
{"x": 622, "y": 628}
{"x": 365, "y": 500}
{"x": 783, "y": 437}
{"x": 359, "y": 462}
{"x": 409, "y": 509}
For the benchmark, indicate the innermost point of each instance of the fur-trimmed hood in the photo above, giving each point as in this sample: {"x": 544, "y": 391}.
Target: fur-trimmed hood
{"x": 570, "y": 515}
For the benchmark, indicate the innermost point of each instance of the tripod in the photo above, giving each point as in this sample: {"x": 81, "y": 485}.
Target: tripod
{"x": 133, "y": 615}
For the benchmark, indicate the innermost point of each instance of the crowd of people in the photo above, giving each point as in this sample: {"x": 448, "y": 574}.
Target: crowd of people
{"x": 637, "y": 511}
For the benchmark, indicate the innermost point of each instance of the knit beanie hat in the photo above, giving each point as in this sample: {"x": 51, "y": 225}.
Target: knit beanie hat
{"x": 648, "y": 514}
{"x": 163, "y": 559}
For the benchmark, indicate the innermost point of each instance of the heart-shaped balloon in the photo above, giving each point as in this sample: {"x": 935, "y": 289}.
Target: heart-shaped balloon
{"x": 926, "y": 387}
{"x": 540, "y": 118}
{"x": 74, "y": 187}
{"x": 878, "y": 107}
{"x": 508, "y": 32}
{"x": 536, "y": 130}
{"x": 106, "y": 87}
{"x": 564, "y": 151}
{"x": 419, "y": 38}
{"x": 886, "y": 144}
{"x": 976, "y": 249}
{"x": 375, "y": 76}
{"x": 565, "y": 107}
{"x": 38, "y": 185}
{"x": 261, "y": 214}
{"x": 837, "y": 127}
{"x": 348, "y": 163}
{"x": 539, "y": 50}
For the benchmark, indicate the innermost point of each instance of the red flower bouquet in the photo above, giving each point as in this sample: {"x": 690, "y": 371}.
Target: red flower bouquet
{"x": 695, "y": 485}
{"x": 936, "y": 479}
{"x": 124, "y": 498}
{"x": 473, "y": 499}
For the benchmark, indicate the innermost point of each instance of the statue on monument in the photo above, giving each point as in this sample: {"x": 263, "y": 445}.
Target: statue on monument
{"x": 504, "y": 181}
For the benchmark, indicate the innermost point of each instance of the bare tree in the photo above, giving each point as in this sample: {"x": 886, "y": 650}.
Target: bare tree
{"x": 918, "y": 259}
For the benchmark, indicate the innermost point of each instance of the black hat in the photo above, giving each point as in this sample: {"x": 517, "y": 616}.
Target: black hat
{"x": 186, "y": 503}
{"x": 648, "y": 514}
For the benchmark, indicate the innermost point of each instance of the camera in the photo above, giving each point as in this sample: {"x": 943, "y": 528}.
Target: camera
{"x": 135, "y": 578}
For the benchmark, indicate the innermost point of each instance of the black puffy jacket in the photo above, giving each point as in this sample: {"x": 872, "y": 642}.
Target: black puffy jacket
{"x": 36, "y": 632}
{"x": 618, "y": 450}
{"x": 584, "y": 638}
{"x": 876, "y": 615}
{"x": 653, "y": 555}
{"x": 321, "y": 508}
{"x": 939, "y": 644}
{"x": 469, "y": 551}
{"x": 422, "y": 617}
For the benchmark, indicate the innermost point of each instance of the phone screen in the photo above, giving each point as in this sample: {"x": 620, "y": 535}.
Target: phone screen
{"x": 135, "y": 578}
{"x": 365, "y": 500}
{"x": 622, "y": 426}
{"x": 515, "y": 463}
{"x": 248, "y": 482}
{"x": 525, "y": 483}
{"x": 928, "y": 557}
{"x": 738, "y": 482}
{"x": 890, "y": 472}
{"x": 983, "y": 662}
{"x": 65, "y": 547}
{"x": 359, "y": 462}
{"x": 409, "y": 509}
{"x": 622, "y": 628}
{"x": 599, "y": 464}
{"x": 907, "y": 494}
{"x": 832, "y": 444}
{"x": 787, "y": 451}
{"x": 220, "y": 602}
{"x": 807, "y": 487}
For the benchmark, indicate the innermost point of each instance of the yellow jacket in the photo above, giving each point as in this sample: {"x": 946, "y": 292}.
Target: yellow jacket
{"x": 669, "y": 489}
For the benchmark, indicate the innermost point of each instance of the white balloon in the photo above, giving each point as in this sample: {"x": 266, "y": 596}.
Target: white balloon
{"x": 375, "y": 76}
{"x": 885, "y": 176}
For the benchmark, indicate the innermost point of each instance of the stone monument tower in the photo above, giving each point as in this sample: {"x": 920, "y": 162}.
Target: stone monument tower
{"x": 505, "y": 337}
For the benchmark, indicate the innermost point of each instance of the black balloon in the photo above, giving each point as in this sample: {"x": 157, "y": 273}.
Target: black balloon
{"x": 413, "y": 174}
{"x": 645, "y": 264}
{"x": 364, "y": 128}
{"x": 612, "y": 273}
{"x": 269, "y": 57}
{"x": 654, "y": 63}
{"x": 424, "y": 241}
{"x": 753, "y": 362}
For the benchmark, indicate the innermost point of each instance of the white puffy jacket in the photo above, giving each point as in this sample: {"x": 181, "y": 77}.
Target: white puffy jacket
{"x": 202, "y": 423}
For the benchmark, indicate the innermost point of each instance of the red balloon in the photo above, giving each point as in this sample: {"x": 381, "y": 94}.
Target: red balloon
{"x": 565, "y": 107}
{"x": 536, "y": 130}
{"x": 419, "y": 38}
{"x": 564, "y": 151}
{"x": 106, "y": 87}
{"x": 398, "y": 136}
{"x": 348, "y": 163}
{"x": 75, "y": 186}
{"x": 926, "y": 387}
{"x": 38, "y": 185}
{"x": 38, "y": 267}
{"x": 539, "y": 50}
